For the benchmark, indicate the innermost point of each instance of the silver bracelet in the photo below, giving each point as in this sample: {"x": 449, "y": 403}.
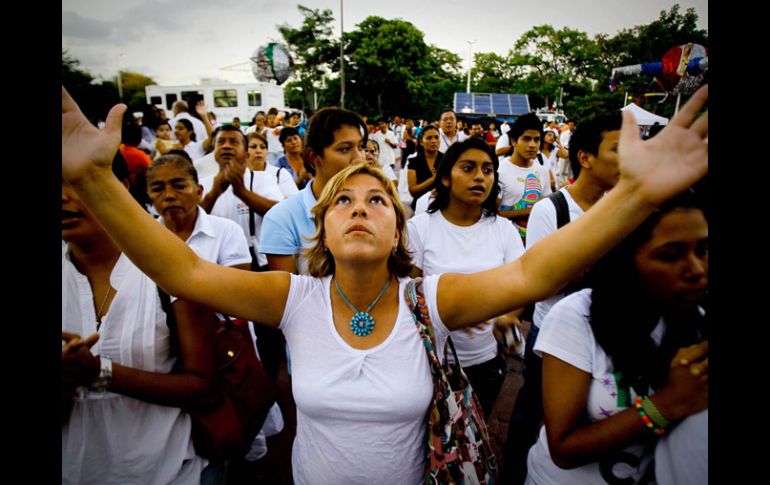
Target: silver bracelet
{"x": 104, "y": 380}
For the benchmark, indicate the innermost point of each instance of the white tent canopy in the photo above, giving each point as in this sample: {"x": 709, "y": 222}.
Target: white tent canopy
{"x": 644, "y": 117}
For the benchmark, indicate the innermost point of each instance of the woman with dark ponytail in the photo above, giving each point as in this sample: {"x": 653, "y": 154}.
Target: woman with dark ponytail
{"x": 626, "y": 359}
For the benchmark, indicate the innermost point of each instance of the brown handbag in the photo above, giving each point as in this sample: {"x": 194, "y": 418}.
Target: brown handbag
{"x": 247, "y": 393}
{"x": 226, "y": 429}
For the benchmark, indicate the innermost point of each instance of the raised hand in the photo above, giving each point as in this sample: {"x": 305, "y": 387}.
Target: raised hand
{"x": 673, "y": 160}
{"x": 84, "y": 147}
{"x": 200, "y": 108}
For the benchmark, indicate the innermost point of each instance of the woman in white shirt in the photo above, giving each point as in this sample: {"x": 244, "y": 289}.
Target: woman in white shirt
{"x": 360, "y": 373}
{"x": 613, "y": 372}
{"x": 123, "y": 422}
{"x": 461, "y": 233}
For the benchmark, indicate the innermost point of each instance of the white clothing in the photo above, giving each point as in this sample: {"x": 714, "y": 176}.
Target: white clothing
{"x": 195, "y": 150}
{"x": 229, "y": 206}
{"x": 522, "y": 187}
{"x": 445, "y": 142}
{"x": 388, "y": 171}
{"x": 360, "y": 413}
{"x": 566, "y": 334}
{"x": 387, "y": 155}
{"x": 438, "y": 246}
{"x": 421, "y": 206}
{"x": 273, "y": 141}
{"x": 284, "y": 179}
{"x": 549, "y": 162}
{"x": 198, "y": 126}
{"x": 505, "y": 128}
{"x": 218, "y": 240}
{"x": 682, "y": 455}
{"x": 542, "y": 222}
{"x": 503, "y": 141}
{"x": 113, "y": 438}
{"x": 206, "y": 166}
{"x": 563, "y": 170}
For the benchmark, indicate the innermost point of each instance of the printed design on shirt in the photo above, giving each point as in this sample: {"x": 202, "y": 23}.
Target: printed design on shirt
{"x": 623, "y": 398}
{"x": 242, "y": 209}
{"x": 532, "y": 193}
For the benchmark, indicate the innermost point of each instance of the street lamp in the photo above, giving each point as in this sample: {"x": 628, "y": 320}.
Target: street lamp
{"x": 470, "y": 58}
{"x": 120, "y": 75}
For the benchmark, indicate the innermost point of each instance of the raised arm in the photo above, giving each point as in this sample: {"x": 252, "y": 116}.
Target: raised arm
{"x": 652, "y": 171}
{"x": 203, "y": 112}
{"x": 87, "y": 154}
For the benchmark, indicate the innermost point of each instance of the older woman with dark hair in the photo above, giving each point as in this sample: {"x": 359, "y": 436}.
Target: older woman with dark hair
{"x": 360, "y": 371}
{"x": 122, "y": 419}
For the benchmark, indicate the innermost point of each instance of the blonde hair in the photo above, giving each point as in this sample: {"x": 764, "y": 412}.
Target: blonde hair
{"x": 320, "y": 261}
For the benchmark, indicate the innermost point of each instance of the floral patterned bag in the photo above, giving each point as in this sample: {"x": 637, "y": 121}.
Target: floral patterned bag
{"x": 458, "y": 451}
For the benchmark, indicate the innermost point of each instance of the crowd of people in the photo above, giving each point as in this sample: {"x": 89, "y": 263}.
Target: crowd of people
{"x": 584, "y": 241}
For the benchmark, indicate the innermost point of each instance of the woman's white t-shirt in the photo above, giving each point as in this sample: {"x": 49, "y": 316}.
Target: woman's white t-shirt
{"x": 438, "y": 246}
{"x": 566, "y": 334}
{"x": 361, "y": 414}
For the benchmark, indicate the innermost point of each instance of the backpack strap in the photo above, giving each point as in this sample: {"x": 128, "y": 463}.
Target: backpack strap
{"x": 540, "y": 158}
{"x": 562, "y": 209}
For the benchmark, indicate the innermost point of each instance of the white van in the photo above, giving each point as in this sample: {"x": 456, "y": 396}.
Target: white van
{"x": 225, "y": 100}
{"x": 545, "y": 114}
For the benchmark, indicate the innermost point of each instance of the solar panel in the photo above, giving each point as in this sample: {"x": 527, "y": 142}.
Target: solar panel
{"x": 491, "y": 104}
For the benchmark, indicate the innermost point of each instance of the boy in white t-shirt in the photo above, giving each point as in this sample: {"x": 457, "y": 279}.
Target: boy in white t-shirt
{"x": 523, "y": 181}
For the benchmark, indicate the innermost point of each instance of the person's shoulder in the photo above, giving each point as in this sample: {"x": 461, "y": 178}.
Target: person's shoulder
{"x": 289, "y": 207}
{"x": 220, "y": 224}
{"x": 419, "y": 221}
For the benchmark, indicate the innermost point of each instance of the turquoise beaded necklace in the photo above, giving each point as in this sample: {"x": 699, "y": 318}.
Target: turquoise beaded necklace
{"x": 362, "y": 324}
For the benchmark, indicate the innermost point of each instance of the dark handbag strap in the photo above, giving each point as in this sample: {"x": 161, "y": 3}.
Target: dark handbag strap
{"x": 252, "y": 224}
{"x": 562, "y": 209}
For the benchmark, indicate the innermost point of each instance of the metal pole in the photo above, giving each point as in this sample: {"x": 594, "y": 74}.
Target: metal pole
{"x": 470, "y": 58}
{"x": 120, "y": 76}
{"x": 342, "y": 61}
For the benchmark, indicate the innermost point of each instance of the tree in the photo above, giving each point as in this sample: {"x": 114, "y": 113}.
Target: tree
{"x": 312, "y": 48}
{"x": 492, "y": 73}
{"x": 95, "y": 99}
{"x": 133, "y": 85}
{"x": 547, "y": 60}
{"x": 390, "y": 69}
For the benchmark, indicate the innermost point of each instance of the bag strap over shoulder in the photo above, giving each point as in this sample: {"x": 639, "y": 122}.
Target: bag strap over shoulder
{"x": 416, "y": 300}
{"x": 562, "y": 209}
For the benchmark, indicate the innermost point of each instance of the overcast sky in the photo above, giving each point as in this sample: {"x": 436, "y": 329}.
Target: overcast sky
{"x": 183, "y": 41}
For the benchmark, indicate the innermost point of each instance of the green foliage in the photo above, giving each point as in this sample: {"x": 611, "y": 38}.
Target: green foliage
{"x": 95, "y": 99}
{"x": 390, "y": 70}
{"x": 312, "y": 48}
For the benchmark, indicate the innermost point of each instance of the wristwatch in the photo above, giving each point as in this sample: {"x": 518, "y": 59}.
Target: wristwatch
{"x": 104, "y": 379}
